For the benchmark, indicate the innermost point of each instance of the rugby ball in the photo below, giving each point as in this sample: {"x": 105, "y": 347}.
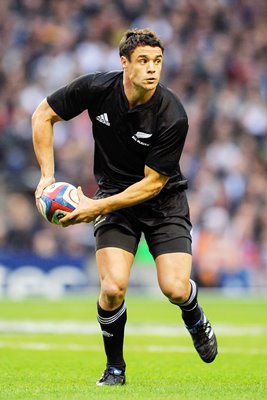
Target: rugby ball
{"x": 57, "y": 200}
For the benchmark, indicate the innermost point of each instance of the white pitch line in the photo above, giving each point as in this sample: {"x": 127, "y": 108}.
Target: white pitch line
{"x": 42, "y": 346}
{"x": 92, "y": 328}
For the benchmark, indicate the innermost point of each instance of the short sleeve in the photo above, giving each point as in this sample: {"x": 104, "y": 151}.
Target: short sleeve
{"x": 72, "y": 99}
{"x": 166, "y": 151}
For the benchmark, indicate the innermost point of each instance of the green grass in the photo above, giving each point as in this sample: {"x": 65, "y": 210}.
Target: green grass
{"x": 50, "y": 366}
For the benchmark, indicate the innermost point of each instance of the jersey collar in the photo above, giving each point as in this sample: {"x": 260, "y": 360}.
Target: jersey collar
{"x": 124, "y": 105}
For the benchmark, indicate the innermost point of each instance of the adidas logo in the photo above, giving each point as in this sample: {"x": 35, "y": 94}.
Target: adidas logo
{"x": 99, "y": 219}
{"x": 103, "y": 118}
{"x": 107, "y": 334}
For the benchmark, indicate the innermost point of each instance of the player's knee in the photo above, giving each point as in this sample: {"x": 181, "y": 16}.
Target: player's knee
{"x": 112, "y": 294}
{"x": 177, "y": 292}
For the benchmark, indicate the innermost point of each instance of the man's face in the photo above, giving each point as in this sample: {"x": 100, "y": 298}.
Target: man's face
{"x": 144, "y": 68}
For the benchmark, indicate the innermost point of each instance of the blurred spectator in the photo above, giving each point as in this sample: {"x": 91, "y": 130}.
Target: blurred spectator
{"x": 216, "y": 61}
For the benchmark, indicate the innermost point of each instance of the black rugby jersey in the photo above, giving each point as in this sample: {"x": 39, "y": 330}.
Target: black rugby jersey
{"x": 126, "y": 140}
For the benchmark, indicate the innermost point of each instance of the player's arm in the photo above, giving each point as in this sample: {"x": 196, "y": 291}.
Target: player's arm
{"x": 150, "y": 186}
{"x": 89, "y": 209}
{"x": 43, "y": 120}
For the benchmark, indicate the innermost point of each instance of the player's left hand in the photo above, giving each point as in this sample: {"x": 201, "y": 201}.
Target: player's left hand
{"x": 85, "y": 211}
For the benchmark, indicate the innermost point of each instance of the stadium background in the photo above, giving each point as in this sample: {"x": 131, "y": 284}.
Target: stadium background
{"x": 215, "y": 60}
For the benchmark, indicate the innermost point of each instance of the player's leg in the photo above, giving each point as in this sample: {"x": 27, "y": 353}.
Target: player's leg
{"x": 114, "y": 265}
{"x": 174, "y": 271}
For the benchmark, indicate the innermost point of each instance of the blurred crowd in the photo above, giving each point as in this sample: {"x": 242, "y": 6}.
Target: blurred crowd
{"x": 215, "y": 60}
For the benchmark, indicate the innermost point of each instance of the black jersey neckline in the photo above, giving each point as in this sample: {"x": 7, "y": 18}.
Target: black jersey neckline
{"x": 124, "y": 104}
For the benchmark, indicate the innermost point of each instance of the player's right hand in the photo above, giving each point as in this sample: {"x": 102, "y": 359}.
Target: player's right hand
{"x": 43, "y": 183}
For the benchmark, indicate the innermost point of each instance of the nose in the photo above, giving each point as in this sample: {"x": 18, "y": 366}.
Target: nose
{"x": 151, "y": 66}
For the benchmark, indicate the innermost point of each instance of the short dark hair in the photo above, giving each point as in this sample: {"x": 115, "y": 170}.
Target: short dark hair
{"x": 138, "y": 37}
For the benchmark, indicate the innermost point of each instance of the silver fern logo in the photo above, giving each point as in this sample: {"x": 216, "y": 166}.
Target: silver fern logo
{"x": 141, "y": 135}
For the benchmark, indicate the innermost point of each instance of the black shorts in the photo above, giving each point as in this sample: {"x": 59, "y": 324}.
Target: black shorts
{"x": 164, "y": 221}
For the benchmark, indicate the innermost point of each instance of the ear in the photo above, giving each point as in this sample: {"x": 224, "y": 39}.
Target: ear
{"x": 124, "y": 62}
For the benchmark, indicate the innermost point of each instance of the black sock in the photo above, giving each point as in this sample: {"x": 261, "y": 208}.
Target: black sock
{"x": 191, "y": 311}
{"x": 112, "y": 325}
